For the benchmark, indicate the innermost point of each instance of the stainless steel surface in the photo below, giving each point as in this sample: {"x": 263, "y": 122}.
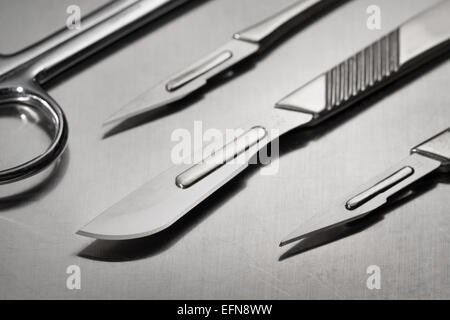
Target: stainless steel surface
{"x": 340, "y": 214}
{"x": 374, "y": 67}
{"x": 227, "y": 247}
{"x": 25, "y": 72}
{"x": 242, "y": 46}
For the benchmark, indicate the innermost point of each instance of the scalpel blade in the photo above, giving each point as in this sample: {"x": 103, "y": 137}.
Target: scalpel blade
{"x": 166, "y": 198}
{"x": 186, "y": 81}
{"x": 155, "y": 206}
{"x": 367, "y": 198}
{"x": 424, "y": 159}
{"x": 243, "y": 45}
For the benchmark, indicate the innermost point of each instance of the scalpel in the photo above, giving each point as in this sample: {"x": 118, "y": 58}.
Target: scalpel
{"x": 432, "y": 155}
{"x": 242, "y": 45}
{"x": 165, "y": 199}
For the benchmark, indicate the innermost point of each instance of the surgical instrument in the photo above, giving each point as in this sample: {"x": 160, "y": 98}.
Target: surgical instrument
{"x": 163, "y": 200}
{"x": 243, "y": 45}
{"x": 429, "y": 156}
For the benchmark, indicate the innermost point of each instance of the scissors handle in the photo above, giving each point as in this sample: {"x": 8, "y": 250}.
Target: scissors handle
{"x": 275, "y": 26}
{"x": 59, "y": 128}
{"x": 15, "y": 60}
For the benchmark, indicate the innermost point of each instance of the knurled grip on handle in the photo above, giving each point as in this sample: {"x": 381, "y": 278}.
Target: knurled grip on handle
{"x": 363, "y": 71}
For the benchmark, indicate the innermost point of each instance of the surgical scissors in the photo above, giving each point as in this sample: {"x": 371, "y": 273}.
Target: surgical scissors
{"x": 23, "y": 73}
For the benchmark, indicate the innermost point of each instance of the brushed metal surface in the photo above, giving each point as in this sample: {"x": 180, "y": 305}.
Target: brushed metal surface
{"x": 228, "y": 246}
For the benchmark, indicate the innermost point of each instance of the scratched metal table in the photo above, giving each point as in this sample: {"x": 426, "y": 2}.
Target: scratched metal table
{"x": 228, "y": 246}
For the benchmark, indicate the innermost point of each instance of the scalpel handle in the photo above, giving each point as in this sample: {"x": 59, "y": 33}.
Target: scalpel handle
{"x": 411, "y": 45}
{"x": 275, "y": 26}
{"x": 437, "y": 147}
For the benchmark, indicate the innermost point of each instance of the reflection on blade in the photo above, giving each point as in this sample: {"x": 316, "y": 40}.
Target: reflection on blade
{"x": 187, "y": 81}
{"x": 339, "y": 214}
{"x": 160, "y": 202}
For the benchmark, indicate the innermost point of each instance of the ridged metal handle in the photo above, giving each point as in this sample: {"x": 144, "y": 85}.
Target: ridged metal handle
{"x": 363, "y": 71}
{"x": 361, "y": 74}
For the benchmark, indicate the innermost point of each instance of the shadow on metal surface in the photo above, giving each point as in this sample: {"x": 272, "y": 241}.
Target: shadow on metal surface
{"x": 215, "y": 82}
{"x": 22, "y": 194}
{"x": 344, "y": 231}
{"x": 153, "y": 245}
{"x": 129, "y": 250}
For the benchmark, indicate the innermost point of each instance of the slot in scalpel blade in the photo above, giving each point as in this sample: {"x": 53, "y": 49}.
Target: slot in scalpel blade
{"x": 166, "y": 198}
{"x": 187, "y": 81}
{"x": 367, "y": 198}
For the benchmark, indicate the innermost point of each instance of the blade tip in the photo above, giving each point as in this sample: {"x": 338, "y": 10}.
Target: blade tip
{"x": 286, "y": 242}
{"x": 291, "y": 239}
{"x": 88, "y": 234}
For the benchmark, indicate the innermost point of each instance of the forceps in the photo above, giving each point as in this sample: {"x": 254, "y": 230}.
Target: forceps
{"x": 429, "y": 156}
{"x": 22, "y": 74}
